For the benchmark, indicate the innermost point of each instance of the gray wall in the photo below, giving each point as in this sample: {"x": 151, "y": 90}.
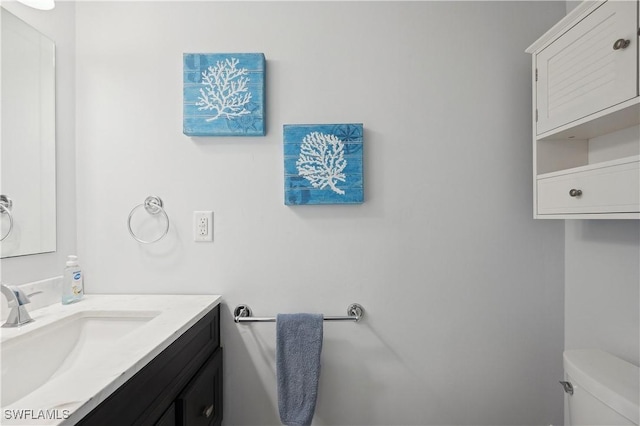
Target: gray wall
{"x": 463, "y": 290}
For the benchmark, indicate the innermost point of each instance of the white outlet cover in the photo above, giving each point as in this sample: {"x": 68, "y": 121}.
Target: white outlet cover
{"x": 203, "y": 226}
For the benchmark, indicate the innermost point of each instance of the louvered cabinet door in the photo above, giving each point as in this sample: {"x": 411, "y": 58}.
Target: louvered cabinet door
{"x": 590, "y": 67}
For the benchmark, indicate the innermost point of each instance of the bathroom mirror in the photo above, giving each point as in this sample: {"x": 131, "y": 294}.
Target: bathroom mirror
{"x": 27, "y": 141}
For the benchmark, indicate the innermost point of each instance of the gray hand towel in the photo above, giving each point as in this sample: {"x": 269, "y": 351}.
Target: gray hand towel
{"x": 298, "y": 348}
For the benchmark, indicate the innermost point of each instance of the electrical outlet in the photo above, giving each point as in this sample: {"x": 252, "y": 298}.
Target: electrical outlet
{"x": 203, "y": 226}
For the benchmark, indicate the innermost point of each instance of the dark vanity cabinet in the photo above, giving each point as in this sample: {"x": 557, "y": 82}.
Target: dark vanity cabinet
{"x": 179, "y": 387}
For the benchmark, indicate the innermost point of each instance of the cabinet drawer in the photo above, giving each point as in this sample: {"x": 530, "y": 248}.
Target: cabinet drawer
{"x": 609, "y": 189}
{"x": 581, "y": 73}
{"x": 200, "y": 404}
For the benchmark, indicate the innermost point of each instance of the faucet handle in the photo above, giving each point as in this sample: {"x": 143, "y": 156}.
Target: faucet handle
{"x": 16, "y": 299}
{"x": 21, "y": 296}
{"x": 16, "y": 296}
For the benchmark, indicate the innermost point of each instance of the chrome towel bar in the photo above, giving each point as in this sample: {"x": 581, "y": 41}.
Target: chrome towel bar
{"x": 243, "y": 313}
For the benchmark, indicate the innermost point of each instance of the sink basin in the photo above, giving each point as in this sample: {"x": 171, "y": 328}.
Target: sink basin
{"x": 35, "y": 357}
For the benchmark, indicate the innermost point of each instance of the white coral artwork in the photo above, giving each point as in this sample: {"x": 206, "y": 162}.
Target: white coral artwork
{"x": 225, "y": 93}
{"x": 322, "y": 161}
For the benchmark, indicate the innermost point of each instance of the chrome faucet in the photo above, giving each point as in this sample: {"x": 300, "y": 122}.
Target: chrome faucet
{"x": 17, "y": 299}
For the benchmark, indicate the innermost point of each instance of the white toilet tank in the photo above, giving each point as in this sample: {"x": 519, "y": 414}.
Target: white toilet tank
{"x": 605, "y": 389}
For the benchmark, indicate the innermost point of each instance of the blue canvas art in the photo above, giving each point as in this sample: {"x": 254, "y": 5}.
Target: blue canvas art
{"x": 323, "y": 164}
{"x": 223, "y": 94}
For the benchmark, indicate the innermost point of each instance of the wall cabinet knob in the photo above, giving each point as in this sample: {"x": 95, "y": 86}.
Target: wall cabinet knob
{"x": 575, "y": 192}
{"x": 621, "y": 44}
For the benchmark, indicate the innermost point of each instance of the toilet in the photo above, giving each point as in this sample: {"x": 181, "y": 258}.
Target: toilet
{"x": 600, "y": 389}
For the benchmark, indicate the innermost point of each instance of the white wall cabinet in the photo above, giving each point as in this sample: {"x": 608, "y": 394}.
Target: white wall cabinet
{"x": 586, "y": 114}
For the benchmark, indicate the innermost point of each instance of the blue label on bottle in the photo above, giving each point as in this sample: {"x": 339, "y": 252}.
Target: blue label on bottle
{"x": 77, "y": 276}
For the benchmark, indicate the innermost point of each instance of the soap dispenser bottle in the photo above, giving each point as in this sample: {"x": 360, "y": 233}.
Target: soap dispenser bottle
{"x": 72, "y": 281}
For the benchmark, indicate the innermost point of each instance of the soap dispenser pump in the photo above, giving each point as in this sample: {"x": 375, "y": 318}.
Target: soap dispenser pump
{"x": 72, "y": 281}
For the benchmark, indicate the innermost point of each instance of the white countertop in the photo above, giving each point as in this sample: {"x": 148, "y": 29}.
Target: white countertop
{"x": 77, "y": 392}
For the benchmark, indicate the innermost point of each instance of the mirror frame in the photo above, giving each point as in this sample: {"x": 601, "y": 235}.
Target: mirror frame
{"x": 28, "y": 139}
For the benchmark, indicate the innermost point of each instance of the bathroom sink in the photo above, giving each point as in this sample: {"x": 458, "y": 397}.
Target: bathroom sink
{"x": 38, "y": 355}
{"x": 72, "y": 358}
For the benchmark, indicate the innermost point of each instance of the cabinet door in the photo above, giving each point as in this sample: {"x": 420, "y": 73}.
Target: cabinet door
{"x": 168, "y": 418}
{"x": 200, "y": 404}
{"x": 581, "y": 72}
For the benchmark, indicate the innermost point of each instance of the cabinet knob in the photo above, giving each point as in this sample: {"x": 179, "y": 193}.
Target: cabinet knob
{"x": 575, "y": 192}
{"x": 621, "y": 44}
{"x": 568, "y": 387}
{"x": 208, "y": 411}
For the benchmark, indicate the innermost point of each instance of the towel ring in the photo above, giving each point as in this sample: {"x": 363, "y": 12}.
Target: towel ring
{"x": 5, "y": 208}
{"x": 153, "y": 205}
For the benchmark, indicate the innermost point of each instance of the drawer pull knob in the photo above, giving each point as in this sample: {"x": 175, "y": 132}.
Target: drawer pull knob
{"x": 621, "y": 44}
{"x": 575, "y": 192}
{"x": 208, "y": 411}
{"x": 568, "y": 387}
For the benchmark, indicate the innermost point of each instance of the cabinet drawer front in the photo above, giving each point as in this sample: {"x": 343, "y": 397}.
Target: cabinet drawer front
{"x": 581, "y": 73}
{"x": 200, "y": 404}
{"x": 614, "y": 189}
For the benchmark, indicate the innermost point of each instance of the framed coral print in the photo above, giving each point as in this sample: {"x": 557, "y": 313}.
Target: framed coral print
{"x": 223, "y": 94}
{"x": 323, "y": 164}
